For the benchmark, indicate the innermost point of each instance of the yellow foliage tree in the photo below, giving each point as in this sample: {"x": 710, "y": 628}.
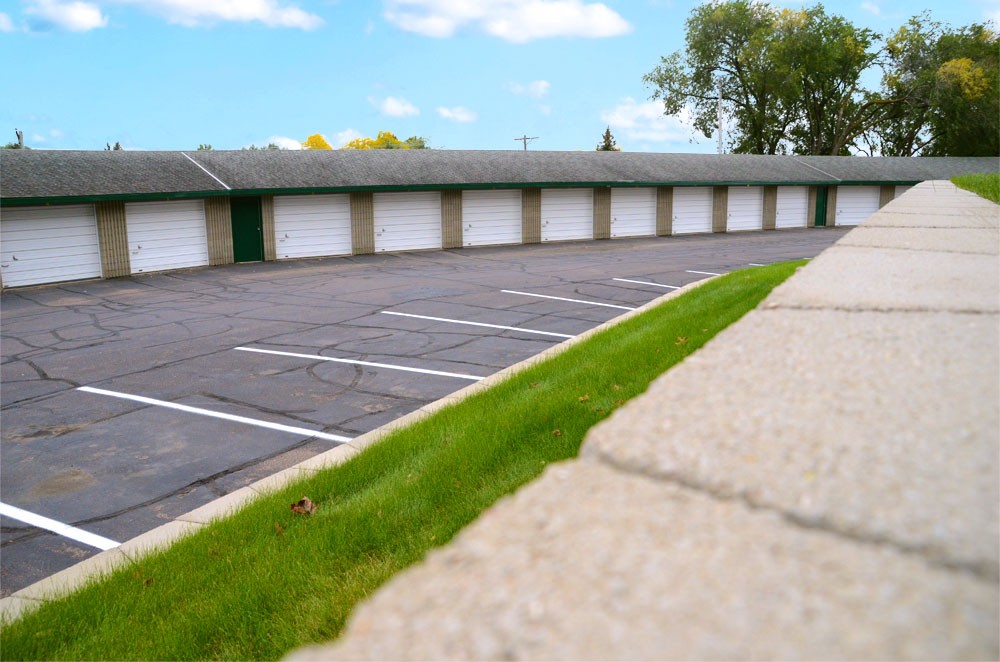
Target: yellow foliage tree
{"x": 316, "y": 141}
{"x": 387, "y": 140}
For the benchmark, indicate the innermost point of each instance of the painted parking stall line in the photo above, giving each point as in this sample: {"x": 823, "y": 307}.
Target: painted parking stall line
{"x": 370, "y": 364}
{"x": 589, "y": 303}
{"x": 646, "y": 282}
{"x": 703, "y": 273}
{"x": 217, "y": 414}
{"x": 482, "y": 324}
{"x": 64, "y": 530}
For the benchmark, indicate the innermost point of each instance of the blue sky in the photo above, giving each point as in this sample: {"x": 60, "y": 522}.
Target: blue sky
{"x": 466, "y": 74}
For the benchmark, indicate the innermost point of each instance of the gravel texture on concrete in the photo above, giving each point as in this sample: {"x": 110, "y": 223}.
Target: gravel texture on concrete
{"x": 819, "y": 481}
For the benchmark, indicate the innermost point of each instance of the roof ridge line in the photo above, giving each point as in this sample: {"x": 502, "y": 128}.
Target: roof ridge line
{"x": 227, "y": 187}
{"x": 798, "y": 160}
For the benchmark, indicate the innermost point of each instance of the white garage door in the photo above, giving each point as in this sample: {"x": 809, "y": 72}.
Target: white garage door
{"x": 312, "y": 225}
{"x": 166, "y": 235}
{"x": 48, "y": 245}
{"x": 745, "y": 208}
{"x": 792, "y": 208}
{"x": 490, "y": 218}
{"x": 633, "y": 212}
{"x": 567, "y": 213}
{"x": 856, "y": 203}
{"x": 407, "y": 221}
{"x": 692, "y": 209}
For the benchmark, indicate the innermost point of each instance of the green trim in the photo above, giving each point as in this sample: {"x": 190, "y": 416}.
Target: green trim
{"x": 323, "y": 190}
{"x": 125, "y": 197}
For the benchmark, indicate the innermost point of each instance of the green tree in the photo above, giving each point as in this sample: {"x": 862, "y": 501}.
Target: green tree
{"x": 316, "y": 141}
{"x": 116, "y": 148}
{"x": 730, "y": 53}
{"x": 204, "y": 147}
{"x": 267, "y": 147}
{"x": 387, "y": 140}
{"x": 608, "y": 143}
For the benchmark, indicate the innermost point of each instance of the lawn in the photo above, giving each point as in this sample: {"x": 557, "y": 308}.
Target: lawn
{"x": 985, "y": 185}
{"x": 265, "y": 581}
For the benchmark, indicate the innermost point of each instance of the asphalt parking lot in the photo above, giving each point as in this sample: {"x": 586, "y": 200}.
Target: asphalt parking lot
{"x": 128, "y": 402}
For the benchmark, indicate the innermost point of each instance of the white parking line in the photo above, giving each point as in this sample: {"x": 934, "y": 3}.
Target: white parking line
{"x": 216, "y": 414}
{"x": 65, "y": 530}
{"x": 704, "y": 273}
{"x": 754, "y": 264}
{"x": 365, "y": 363}
{"x": 643, "y": 282}
{"x": 589, "y": 303}
{"x": 489, "y": 326}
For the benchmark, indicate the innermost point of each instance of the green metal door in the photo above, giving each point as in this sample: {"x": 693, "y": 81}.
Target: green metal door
{"x": 821, "y": 192}
{"x": 248, "y": 230}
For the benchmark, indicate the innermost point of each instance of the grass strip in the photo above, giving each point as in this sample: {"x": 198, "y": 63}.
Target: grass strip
{"x": 265, "y": 581}
{"x": 985, "y": 185}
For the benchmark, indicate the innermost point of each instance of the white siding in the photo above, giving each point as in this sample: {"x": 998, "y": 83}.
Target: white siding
{"x": 48, "y": 244}
{"x": 900, "y": 190}
{"x": 633, "y": 212}
{"x": 166, "y": 235}
{"x": 567, "y": 213}
{"x": 490, "y": 218}
{"x": 792, "y": 209}
{"x": 856, "y": 203}
{"x": 312, "y": 225}
{"x": 407, "y": 221}
{"x": 692, "y": 209}
{"x": 745, "y": 208}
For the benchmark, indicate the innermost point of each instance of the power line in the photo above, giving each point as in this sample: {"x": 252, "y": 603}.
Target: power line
{"x": 524, "y": 139}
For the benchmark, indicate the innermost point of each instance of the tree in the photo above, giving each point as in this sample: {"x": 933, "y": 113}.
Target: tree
{"x": 951, "y": 88}
{"x": 316, "y": 141}
{"x": 387, "y": 140}
{"x": 730, "y": 53}
{"x": 116, "y": 148}
{"x": 268, "y": 147}
{"x": 20, "y": 141}
{"x": 608, "y": 143}
{"x": 204, "y": 147}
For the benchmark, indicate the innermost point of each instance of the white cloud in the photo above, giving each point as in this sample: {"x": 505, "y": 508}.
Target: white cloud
{"x": 284, "y": 142}
{"x": 516, "y": 21}
{"x": 74, "y": 16}
{"x": 536, "y": 88}
{"x": 457, "y": 114}
{"x": 871, "y": 7}
{"x": 395, "y": 107}
{"x": 646, "y": 122}
{"x": 6, "y": 25}
{"x": 346, "y": 136}
{"x": 192, "y": 13}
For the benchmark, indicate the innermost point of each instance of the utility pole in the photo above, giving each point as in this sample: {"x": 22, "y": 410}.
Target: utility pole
{"x": 524, "y": 139}
{"x": 719, "y": 111}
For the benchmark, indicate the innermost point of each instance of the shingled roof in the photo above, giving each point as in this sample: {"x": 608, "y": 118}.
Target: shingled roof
{"x": 37, "y": 176}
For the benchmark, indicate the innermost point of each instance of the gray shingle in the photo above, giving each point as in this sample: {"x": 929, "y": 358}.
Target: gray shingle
{"x": 40, "y": 175}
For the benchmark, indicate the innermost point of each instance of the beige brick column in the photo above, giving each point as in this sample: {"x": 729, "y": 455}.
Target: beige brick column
{"x": 112, "y": 235}
{"x": 602, "y": 213}
{"x": 531, "y": 216}
{"x": 451, "y": 219}
{"x": 362, "y": 223}
{"x": 770, "y": 207}
{"x": 720, "y": 207}
{"x": 664, "y": 211}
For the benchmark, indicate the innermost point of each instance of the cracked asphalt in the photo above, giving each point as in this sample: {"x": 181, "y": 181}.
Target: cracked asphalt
{"x": 118, "y": 468}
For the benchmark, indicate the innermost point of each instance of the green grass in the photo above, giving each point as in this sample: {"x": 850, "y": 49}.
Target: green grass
{"x": 266, "y": 581}
{"x": 985, "y": 185}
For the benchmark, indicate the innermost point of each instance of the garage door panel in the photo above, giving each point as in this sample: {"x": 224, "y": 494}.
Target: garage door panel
{"x": 745, "y": 208}
{"x": 692, "y": 209}
{"x": 48, "y": 245}
{"x": 312, "y": 225}
{"x": 792, "y": 207}
{"x": 166, "y": 235}
{"x": 856, "y": 203}
{"x": 633, "y": 212}
{"x": 491, "y": 218}
{"x": 567, "y": 214}
{"x": 407, "y": 221}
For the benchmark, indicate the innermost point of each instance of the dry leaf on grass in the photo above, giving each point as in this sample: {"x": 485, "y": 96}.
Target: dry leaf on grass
{"x": 304, "y": 507}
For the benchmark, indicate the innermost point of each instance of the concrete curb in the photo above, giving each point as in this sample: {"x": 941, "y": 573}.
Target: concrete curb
{"x": 819, "y": 481}
{"x": 67, "y": 581}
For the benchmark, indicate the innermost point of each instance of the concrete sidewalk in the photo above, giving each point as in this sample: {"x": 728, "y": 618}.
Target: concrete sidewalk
{"x": 820, "y": 481}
